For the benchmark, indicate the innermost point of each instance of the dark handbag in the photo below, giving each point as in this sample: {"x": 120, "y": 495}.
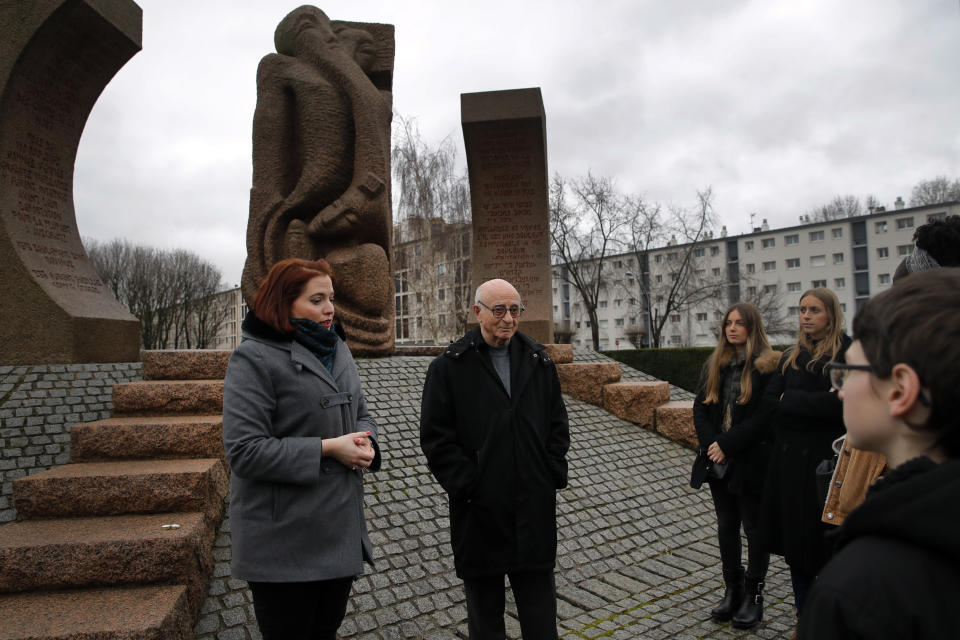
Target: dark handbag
{"x": 704, "y": 467}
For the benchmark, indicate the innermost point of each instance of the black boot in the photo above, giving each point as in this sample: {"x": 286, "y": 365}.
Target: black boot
{"x": 732, "y": 596}
{"x": 750, "y": 612}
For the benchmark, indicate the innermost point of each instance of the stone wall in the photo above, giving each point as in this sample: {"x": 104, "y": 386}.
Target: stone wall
{"x": 39, "y": 404}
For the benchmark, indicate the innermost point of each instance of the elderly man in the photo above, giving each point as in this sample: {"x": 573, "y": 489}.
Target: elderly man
{"x": 493, "y": 427}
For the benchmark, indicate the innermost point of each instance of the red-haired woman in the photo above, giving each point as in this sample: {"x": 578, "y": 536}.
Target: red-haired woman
{"x": 731, "y": 428}
{"x": 297, "y": 435}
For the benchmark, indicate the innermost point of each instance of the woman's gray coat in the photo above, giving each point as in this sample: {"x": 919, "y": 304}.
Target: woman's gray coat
{"x": 295, "y": 515}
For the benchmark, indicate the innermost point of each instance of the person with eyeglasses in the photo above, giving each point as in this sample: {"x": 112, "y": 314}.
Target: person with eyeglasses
{"x": 494, "y": 430}
{"x": 805, "y": 419}
{"x": 896, "y": 569}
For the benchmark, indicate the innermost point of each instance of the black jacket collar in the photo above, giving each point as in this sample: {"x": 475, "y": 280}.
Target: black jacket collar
{"x": 473, "y": 339}
{"x": 260, "y": 329}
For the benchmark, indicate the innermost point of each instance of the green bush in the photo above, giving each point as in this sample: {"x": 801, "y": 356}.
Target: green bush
{"x": 680, "y": 366}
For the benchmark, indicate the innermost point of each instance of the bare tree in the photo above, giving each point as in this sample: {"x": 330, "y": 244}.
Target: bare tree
{"x": 587, "y": 219}
{"x": 769, "y": 301}
{"x": 686, "y": 282}
{"x": 840, "y": 207}
{"x": 432, "y": 249}
{"x": 170, "y": 292}
{"x": 935, "y": 191}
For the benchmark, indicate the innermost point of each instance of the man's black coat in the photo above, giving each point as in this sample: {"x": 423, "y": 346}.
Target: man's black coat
{"x": 501, "y": 458}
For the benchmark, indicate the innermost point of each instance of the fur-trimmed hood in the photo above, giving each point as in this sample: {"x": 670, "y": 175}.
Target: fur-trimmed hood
{"x": 765, "y": 362}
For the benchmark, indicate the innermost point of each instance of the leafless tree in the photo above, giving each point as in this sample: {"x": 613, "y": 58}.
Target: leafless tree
{"x": 769, "y": 301}
{"x": 587, "y": 221}
{"x": 935, "y": 191}
{"x": 686, "y": 282}
{"x": 433, "y": 247}
{"x": 840, "y": 207}
{"x": 170, "y": 292}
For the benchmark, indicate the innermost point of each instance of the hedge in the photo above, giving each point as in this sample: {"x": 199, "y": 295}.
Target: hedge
{"x": 680, "y": 366}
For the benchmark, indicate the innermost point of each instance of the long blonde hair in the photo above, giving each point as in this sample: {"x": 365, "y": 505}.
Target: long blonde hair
{"x": 724, "y": 352}
{"x": 832, "y": 341}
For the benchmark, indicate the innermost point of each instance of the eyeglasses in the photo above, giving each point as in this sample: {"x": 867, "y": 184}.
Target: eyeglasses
{"x": 838, "y": 372}
{"x": 499, "y": 310}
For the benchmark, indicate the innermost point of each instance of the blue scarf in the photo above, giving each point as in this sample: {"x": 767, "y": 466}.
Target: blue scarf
{"x": 321, "y": 341}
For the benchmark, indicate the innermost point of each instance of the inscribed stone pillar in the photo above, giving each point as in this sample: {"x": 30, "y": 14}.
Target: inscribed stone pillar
{"x": 321, "y": 166}
{"x": 505, "y": 136}
{"x": 56, "y": 57}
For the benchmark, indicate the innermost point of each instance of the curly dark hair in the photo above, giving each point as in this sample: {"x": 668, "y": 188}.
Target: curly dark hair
{"x": 941, "y": 239}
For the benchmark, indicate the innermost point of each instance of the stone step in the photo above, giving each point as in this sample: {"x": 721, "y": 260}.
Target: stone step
{"x": 635, "y": 401}
{"x": 147, "y": 437}
{"x": 132, "y": 613}
{"x": 125, "y": 487}
{"x": 186, "y": 364}
{"x": 41, "y": 555}
{"x": 675, "y": 421}
{"x": 585, "y": 380}
{"x": 168, "y": 397}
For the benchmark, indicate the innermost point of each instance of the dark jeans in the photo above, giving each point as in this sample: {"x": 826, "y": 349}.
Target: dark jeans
{"x": 300, "y": 610}
{"x": 733, "y": 510}
{"x": 535, "y": 593}
{"x": 801, "y": 587}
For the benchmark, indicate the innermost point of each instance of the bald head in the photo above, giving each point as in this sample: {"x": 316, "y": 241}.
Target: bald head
{"x": 492, "y": 294}
{"x": 496, "y": 287}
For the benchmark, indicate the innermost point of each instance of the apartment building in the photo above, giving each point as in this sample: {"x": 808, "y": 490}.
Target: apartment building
{"x": 854, "y": 257}
{"x": 228, "y": 335}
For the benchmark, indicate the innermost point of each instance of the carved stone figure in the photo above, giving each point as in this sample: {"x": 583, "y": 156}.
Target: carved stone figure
{"x": 321, "y": 166}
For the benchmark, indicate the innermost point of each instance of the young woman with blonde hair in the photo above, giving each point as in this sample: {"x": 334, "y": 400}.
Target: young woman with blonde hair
{"x": 731, "y": 429}
{"x": 806, "y": 418}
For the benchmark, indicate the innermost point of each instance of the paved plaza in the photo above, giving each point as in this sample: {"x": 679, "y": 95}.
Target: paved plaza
{"x": 637, "y": 559}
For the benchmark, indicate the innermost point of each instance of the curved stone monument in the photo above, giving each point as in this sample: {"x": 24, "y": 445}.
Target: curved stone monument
{"x": 56, "y": 57}
{"x": 321, "y": 166}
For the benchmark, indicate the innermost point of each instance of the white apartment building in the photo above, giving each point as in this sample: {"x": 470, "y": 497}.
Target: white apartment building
{"x": 228, "y": 335}
{"x": 854, "y": 257}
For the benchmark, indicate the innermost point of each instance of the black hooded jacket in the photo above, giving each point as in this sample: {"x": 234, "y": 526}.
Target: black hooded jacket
{"x": 896, "y": 572}
{"x": 500, "y": 457}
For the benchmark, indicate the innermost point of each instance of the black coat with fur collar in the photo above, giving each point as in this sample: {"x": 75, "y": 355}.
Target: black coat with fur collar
{"x": 746, "y": 443}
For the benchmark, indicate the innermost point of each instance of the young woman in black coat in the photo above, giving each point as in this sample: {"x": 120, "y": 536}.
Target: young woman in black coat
{"x": 731, "y": 429}
{"x": 807, "y": 417}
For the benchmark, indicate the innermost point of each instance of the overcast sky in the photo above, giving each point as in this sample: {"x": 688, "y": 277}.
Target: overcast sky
{"x": 779, "y": 106}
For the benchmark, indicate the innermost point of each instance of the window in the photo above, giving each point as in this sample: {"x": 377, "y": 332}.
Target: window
{"x": 905, "y": 223}
{"x": 675, "y": 318}
{"x": 770, "y": 266}
{"x": 793, "y": 311}
{"x": 602, "y": 305}
{"x": 880, "y": 227}
{"x": 818, "y": 261}
{"x": 883, "y": 278}
{"x": 714, "y": 251}
{"x": 751, "y": 268}
{"x": 718, "y": 315}
{"x": 715, "y": 272}
{"x": 442, "y": 320}
{"x": 838, "y": 258}
{"x": 441, "y": 295}
{"x": 904, "y": 250}
{"x": 883, "y": 252}
{"x": 793, "y": 238}
{"x": 816, "y": 236}
{"x": 441, "y": 269}
{"x": 617, "y": 303}
{"x": 701, "y": 273}
{"x": 836, "y": 233}
{"x": 839, "y": 283}
{"x": 699, "y": 252}
{"x": 633, "y": 321}
{"x": 793, "y": 287}
{"x": 659, "y": 278}
{"x": 769, "y": 288}
{"x": 936, "y": 216}
{"x": 604, "y": 323}
{"x": 818, "y": 283}
{"x": 578, "y": 324}
{"x": 416, "y": 250}
{"x": 675, "y": 339}
{"x": 701, "y": 317}
{"x": 793, "y": 263}
{"x": 751, "y": 291}
{"x": 768, "y": 243}
{"x": 618, "y": 264}
{"x": 618, "y": 322}
{"x": 657, "y": 258}
{"x": 671, "y": 256}
{"x": 748, "y": 245}
{"x": 843, "y": 307}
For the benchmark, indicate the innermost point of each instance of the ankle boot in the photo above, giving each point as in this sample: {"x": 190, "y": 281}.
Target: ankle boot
{"x": 732, "y": 596}
{"x": 750, "y": 612}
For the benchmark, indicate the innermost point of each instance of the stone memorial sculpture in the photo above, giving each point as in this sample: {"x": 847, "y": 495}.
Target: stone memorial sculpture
{"x": 56, "y": 57}
{"x": 321, "y": 166}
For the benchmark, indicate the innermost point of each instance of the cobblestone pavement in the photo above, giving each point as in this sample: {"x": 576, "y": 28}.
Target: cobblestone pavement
{"x": 637, "y": 557}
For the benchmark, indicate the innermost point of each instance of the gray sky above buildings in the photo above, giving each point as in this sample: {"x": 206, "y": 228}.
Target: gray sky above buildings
{"x": 779, "y": 106}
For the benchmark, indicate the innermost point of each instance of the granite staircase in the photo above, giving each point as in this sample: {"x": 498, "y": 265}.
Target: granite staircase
{"x": 644, "y": 403}
{"x": 117, "y": 544}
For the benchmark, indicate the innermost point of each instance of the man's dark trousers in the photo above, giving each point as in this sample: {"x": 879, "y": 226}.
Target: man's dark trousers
{"x": 535, "y": 595}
